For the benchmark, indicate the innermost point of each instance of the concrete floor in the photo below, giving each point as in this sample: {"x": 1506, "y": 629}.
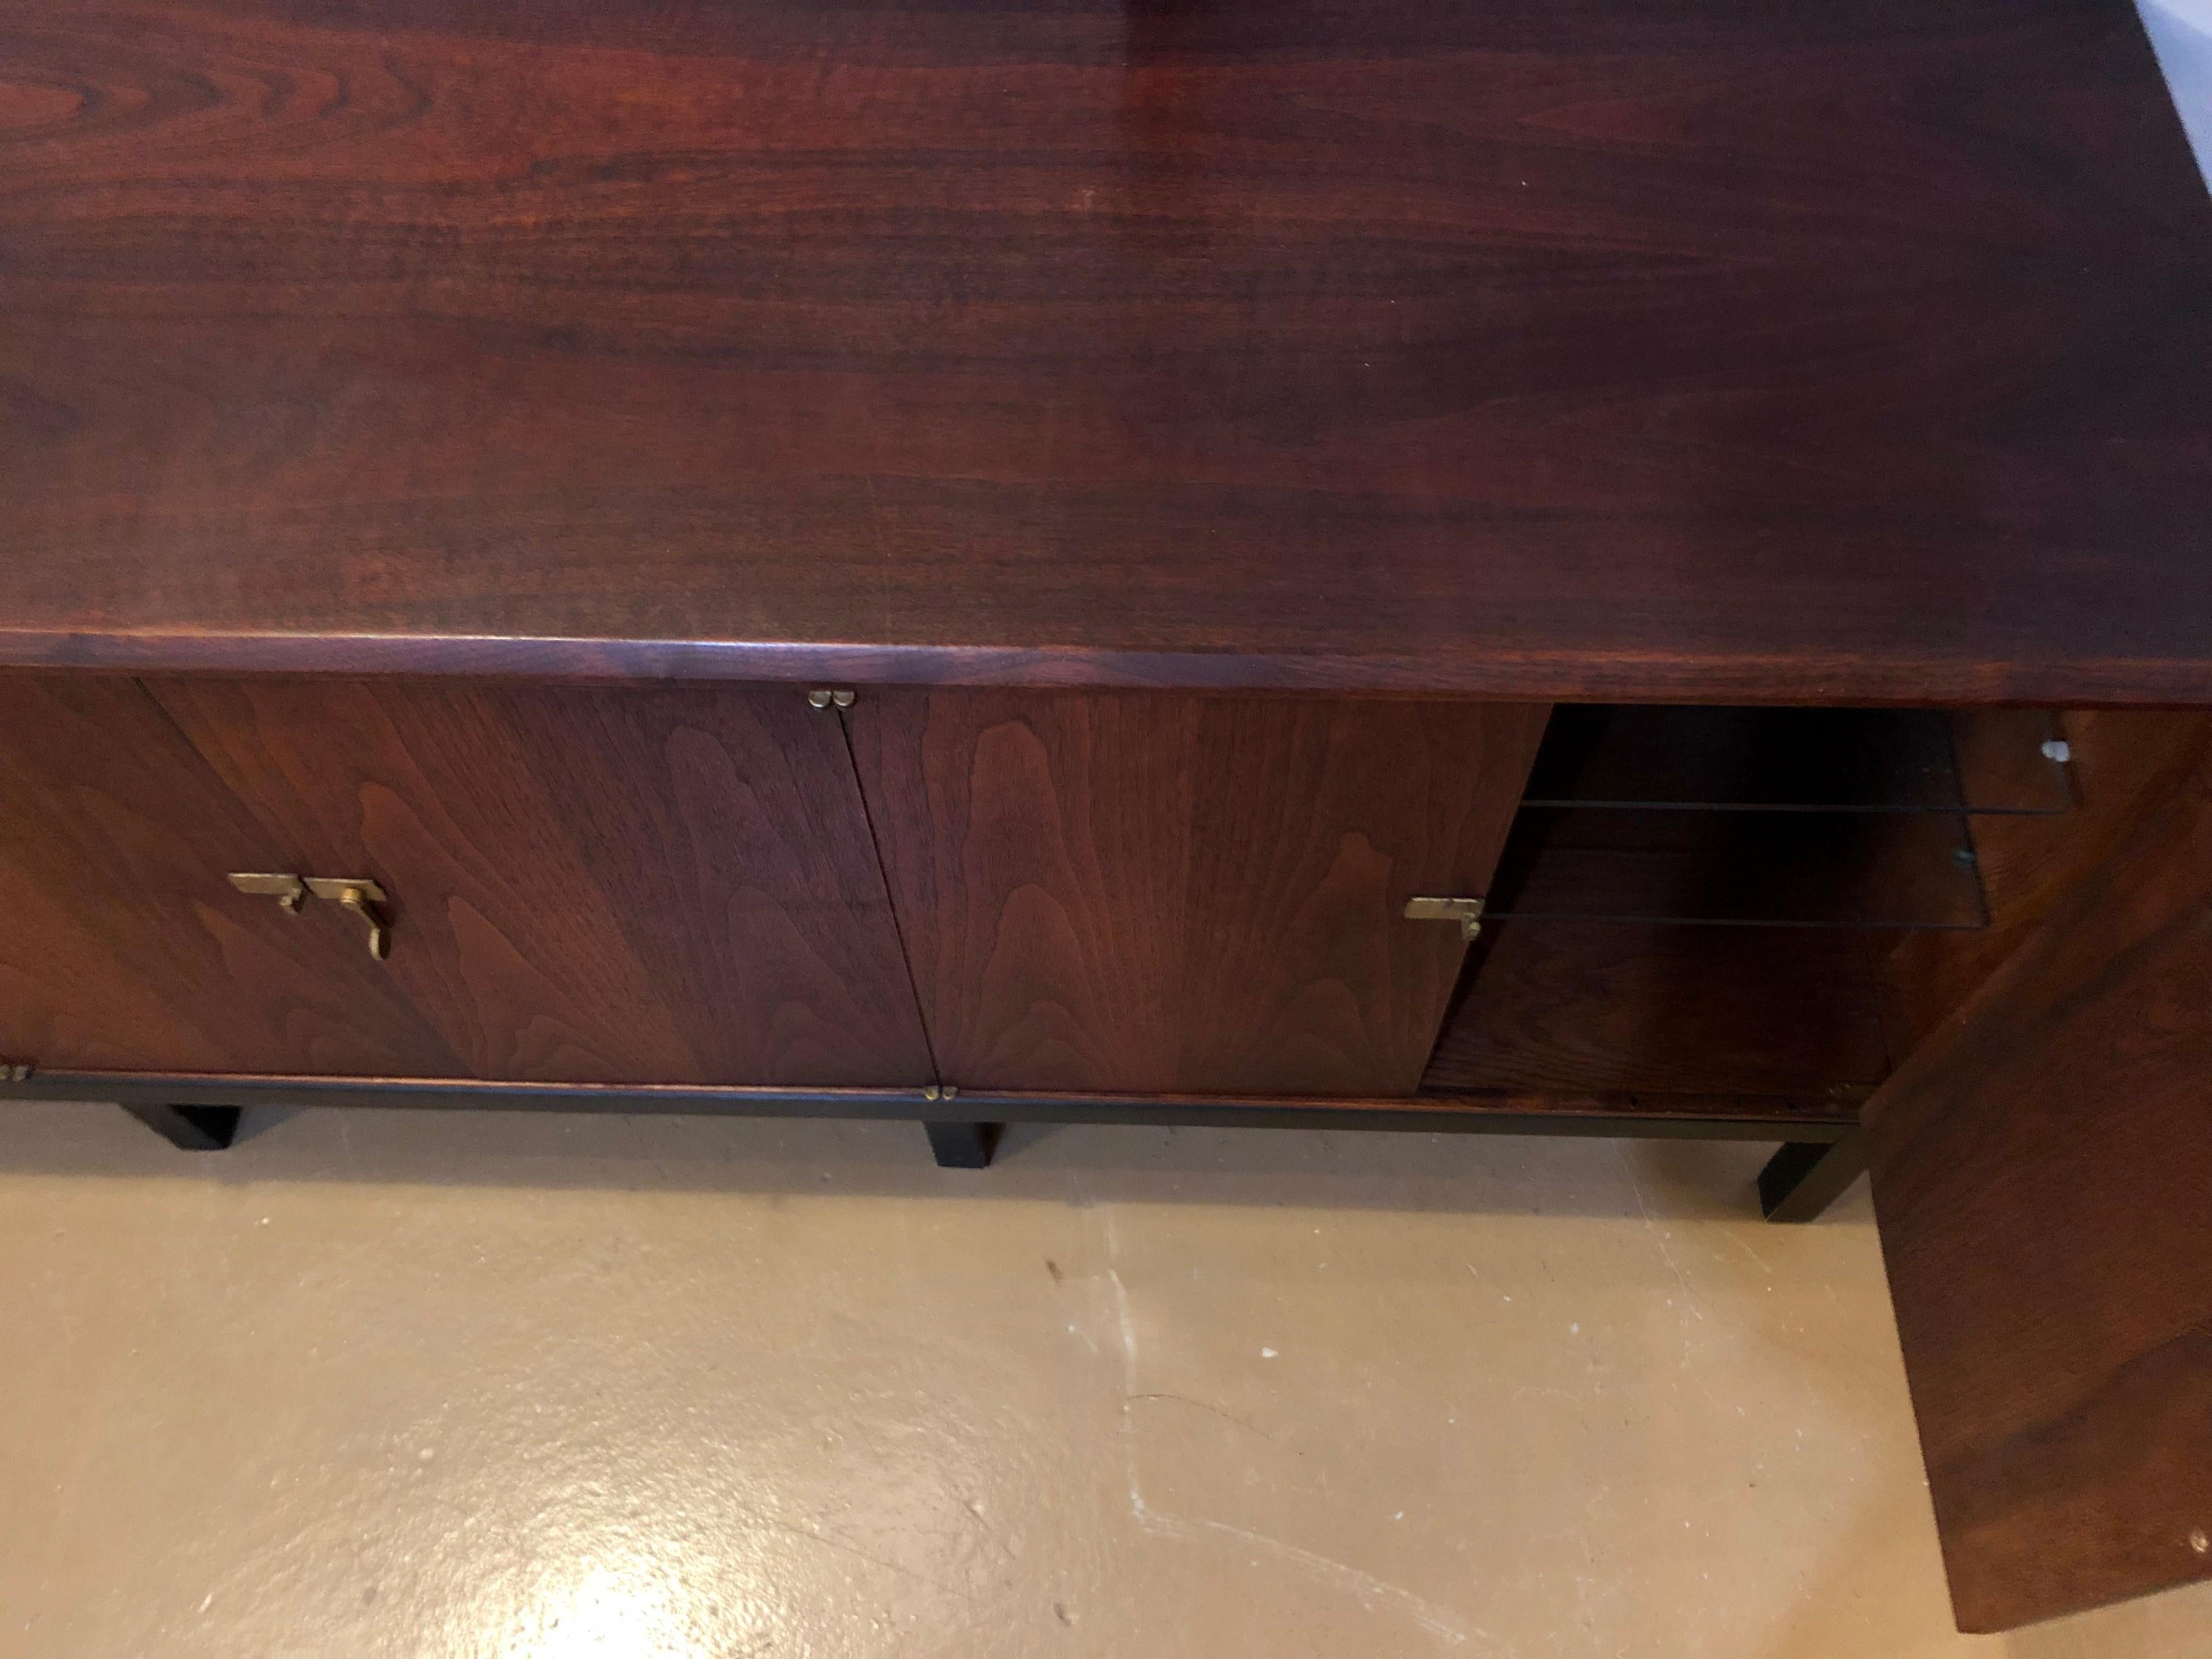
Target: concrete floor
{"x": 380, "y": 1383}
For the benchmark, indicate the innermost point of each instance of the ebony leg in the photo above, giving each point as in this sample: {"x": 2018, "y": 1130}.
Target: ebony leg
{"x": 195, "y": 1129}
{"x": 1805, "y": 1177}
{"x": 964, "y": 1145}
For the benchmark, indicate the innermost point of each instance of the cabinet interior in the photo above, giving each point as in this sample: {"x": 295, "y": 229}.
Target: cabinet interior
{"x": 1749, "y": 902}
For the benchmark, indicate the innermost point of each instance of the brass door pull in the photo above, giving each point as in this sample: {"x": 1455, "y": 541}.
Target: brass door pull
{"x": 1467, "y": 912}
{"x": 361, "y": 897}
{"x": 287, "y": 890}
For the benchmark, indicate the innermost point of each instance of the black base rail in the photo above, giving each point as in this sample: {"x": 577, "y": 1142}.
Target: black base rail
{"x": 200, "y": 1112}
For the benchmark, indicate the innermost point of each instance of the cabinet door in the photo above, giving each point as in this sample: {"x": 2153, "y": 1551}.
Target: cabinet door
{"x": 1149, "y": 892}
{"x": 2042, "y": 1172}
{"x": 124, "y": 947}
{"x": 620, "y": 885}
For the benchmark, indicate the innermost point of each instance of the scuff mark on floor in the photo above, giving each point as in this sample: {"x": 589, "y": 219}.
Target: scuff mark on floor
{"x": 1689, "y": 1371}
{"x": 1765, "y": 1266}
{"x": 1659, "y": 1236}
{"x": 1226, "y": 1417}
{"x": 1365, "y": 1587}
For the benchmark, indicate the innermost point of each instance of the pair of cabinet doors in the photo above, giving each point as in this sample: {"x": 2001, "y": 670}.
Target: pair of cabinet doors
{"x": 1023, "y": 890}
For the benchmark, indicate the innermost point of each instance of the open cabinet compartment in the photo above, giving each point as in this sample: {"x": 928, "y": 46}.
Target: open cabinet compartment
{"x": 1707, "y": 904}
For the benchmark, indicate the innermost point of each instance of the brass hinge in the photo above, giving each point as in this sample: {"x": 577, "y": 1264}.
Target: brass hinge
{"x": 939, "y": 1091}
{"x": 16, "y": 1072}
{"x": 1467, "y": 912}
{"x": 829, "y": 697}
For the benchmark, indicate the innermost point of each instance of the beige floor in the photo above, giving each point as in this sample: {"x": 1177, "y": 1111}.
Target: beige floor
{"x": 379, "y": 1383}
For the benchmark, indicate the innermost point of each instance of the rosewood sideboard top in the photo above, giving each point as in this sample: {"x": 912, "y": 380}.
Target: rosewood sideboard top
{"x": 1724, "y": 351}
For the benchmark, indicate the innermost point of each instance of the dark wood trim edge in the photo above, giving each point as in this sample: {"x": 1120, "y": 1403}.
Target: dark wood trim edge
{"x": 1487, "y": 674}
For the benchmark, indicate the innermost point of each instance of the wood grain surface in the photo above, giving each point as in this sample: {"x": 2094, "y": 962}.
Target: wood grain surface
{"x": 2126, "y": 765}
{"x": 646, "y": 885}
{"x": 1575, "y": 1007}
{"x": 125, "y": 946}
{"x": 2042, "y": 1172}
{"x": 1737, "y": 349}
{"x": 1174, "y": 894}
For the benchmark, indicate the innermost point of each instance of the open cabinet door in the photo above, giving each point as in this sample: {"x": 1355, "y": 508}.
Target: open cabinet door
{"x": 2042, "y": 1171}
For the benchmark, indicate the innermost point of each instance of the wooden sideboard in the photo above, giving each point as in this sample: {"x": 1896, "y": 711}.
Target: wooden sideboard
{"x": 1559, "y": 566}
